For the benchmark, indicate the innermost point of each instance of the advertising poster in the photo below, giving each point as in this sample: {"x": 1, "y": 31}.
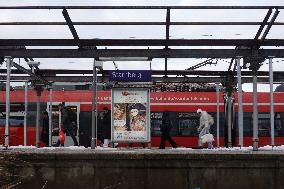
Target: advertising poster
{"x": 130, "y": 115}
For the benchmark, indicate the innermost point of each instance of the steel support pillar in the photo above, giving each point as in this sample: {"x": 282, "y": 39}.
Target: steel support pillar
{"x": 94, "y": 108}
{"x": 50, "y": 118}
{"x": 255, "y": 114}
{"x": 218, "y": 113}
{"x": 271, "y": 102}
{"x": 38, "y": 94}
{"x": 9, "y": 62}
{"x": 230, "y": 103}
{"x": 240, "y": 103}
{"x": 26, "y": 113}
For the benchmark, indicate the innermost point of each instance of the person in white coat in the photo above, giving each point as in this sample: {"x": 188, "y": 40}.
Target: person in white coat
{"x": 206, "y": 120}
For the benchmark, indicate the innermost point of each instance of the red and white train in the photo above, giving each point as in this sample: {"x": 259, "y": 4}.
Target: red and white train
{"x": 181, "y": 105}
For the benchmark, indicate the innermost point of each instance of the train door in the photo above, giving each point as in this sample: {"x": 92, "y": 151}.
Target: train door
{"x": 56, "y": 122}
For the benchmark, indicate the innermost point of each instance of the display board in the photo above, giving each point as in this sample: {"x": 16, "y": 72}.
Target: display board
{"x": 130, "y": 115}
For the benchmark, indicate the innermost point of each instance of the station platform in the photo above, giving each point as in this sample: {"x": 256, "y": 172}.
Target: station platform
{"x": 78, "y": 167}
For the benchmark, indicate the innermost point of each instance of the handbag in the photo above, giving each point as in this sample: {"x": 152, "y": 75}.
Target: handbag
{"x": 62, "y": 136}
{"x": 207, "y": 138}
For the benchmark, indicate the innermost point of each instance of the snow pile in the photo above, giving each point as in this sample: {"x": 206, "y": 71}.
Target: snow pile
{"x": 266, "y": 148}
{"x": 249, "y": 148}
{"x": 104, "y": 148}
{"x": 75, "y": 148}
{"x": 277, "y": 148}
{"x": 181, "y": 148}
{"x": 22, "y": 147}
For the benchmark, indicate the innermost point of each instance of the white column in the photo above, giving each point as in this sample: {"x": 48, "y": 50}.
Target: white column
{"x": 94, "y": 108}
{"x": 240, "y": 102}
{"x": 26, "y": 112}
{"x": 255, "y": 114}
{"x": 271, "y": 102}
{"x": 8, "y": 65}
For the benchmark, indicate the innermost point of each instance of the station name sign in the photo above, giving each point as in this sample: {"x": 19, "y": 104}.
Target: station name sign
{"x": 130, "y": 75}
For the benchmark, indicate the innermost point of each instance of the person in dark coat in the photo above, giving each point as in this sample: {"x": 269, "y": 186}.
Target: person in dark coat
{"x": 106, "y": 131}
{"x": 166, "y": 129}
{"x": 45, "y": 129}
{"x": 100, "y": 127}
{"x": 66, "y": 124}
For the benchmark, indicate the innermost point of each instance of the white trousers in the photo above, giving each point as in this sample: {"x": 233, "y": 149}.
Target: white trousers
{"x": 106, "y": 143}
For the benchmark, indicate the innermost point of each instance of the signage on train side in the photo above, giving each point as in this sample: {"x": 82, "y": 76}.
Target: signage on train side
{"x": 130, "y": 75}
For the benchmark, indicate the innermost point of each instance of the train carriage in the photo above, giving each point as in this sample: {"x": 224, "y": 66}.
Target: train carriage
{"x": 181, "y": 105}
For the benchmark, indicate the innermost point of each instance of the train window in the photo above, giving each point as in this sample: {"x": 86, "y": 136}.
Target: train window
{"x": 188, "y": 123}
{"x": 14, "y": 122}
{"x": 16, "y": 114}
{"x": 175, "y": 121}
{"x": 184, "y": 123}
{"x": 247, "y": 127}
{"x": 247, "y": 124}
{"x": 74, "y": 123}
{"x": 17, "y": 121}
{"x": 155, "y": 127}
{"x": 264, "y": 127}
{"x": 14, "y": 107}
{"x": 156, "y": 121}
{"x": 2, "y": 121}
{"x": 188, "y": 127}
{"x": 264, "y": 124}
{"x": 55, "y": 120}
{"x": 213, "y": 128}
{"x": 279, "y": 124}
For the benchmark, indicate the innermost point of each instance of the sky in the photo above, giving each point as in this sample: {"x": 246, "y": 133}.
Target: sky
{"x": 140, "y": 32}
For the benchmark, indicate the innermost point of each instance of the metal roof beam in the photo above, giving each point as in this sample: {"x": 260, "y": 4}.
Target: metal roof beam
{"x": 264, "y": 22}
{"x": 270, "y": 25}
{"x": 140, "y": 42}
{"x": 136, "y": 23}
{"x": 204, "y": 63}
{"x": 168, "y": 20}
{"x": 150, "y": 53}
{"x": 261, "y": 79}
{"x": 24, "y": 70}
{"x": 71, "y": 27}
{"x": 141, "y": 7}
{"x": 48, "y": 72}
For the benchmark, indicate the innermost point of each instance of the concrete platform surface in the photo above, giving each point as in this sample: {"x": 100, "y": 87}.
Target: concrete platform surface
{"x": 78, "y": 167}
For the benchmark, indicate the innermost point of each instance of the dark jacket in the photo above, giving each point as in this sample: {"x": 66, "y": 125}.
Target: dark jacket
{"x": 45, "y": 130}
{"x": 166, "y": 123}
{"x": 107, "y": 125}
{"x": 65, "y": 120}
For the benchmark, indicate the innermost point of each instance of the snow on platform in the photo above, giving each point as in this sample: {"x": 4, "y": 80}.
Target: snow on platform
{"x": 122, "y": 150}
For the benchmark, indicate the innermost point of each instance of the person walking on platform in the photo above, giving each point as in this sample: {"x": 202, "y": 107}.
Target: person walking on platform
{"x": 45, "y": 129}
{"x": 206, "y": 120}
{"x": 166, "y": 129}
{"x": 100, "y": 128}
{"x": 66, "y": 124}
{"x": 106, "y": 128}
